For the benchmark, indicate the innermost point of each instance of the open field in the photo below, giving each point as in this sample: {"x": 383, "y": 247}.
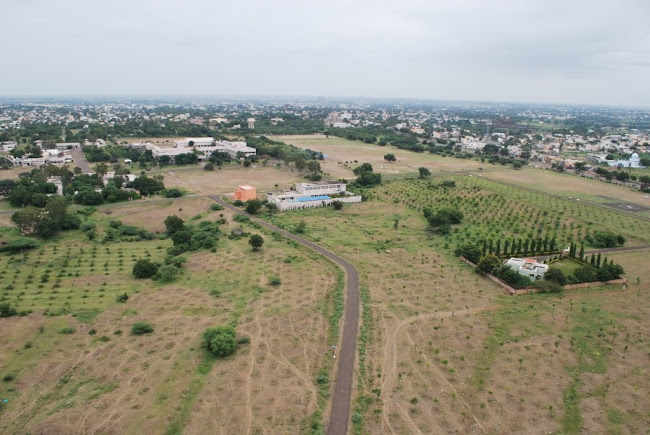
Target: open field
{"x": 100, "y": 378}
{"x": 442, "y": 350}
{"x": 570, "y": 186}
{"x": 339, "y": 151}
{"x": 226, "y": 180}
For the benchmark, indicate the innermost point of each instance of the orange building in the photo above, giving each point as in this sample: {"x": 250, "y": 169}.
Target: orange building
{"x": 245, "y": 193}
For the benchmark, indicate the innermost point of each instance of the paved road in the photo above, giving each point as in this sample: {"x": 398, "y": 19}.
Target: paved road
{"x": 80, "y": 160}
{"x": 340, "y": 415}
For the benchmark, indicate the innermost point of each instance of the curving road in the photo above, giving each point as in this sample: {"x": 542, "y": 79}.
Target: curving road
{"x": 340, "y": 415}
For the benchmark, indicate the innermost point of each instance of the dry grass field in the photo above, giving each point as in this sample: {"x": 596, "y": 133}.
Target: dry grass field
{"x": 103, "y": 379}
{"x": 340, "y": 151}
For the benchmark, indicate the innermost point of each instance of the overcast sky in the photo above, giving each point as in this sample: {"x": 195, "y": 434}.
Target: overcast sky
{"x": 569, "y": 51}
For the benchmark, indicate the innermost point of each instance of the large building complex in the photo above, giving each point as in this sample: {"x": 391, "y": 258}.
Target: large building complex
{"x": 307, "y": 195}
{"x": 204, "y": 146}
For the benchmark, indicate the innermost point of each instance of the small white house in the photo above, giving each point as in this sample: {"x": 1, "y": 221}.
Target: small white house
{"x": 528, "y": 267}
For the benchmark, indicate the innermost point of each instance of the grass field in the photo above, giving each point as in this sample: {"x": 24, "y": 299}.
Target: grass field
{"x": 342, "y": 153}
{"x": 100, "y": 378}
{"x": 568, "y": 185}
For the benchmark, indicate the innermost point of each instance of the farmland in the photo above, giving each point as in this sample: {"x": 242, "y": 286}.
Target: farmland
{"x": 442, "y": 350}
{"x": 72, "y": 364}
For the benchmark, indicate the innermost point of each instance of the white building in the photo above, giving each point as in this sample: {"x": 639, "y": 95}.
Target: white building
{"x": 633, "y": 162}
{"x": 8, "y": 146}
{"x": 528, "y": 267}
{"x": 196, "y": 141}
{"x": 309, "y": 195}
{"x": 98, "y": 143}
{"x": 251, "y": 123}
{"x": 203, "y": 146}
{"x": 69, "y": 145}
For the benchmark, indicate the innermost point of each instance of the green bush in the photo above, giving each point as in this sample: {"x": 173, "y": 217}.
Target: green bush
{"x": 216, "y": 207}
{"x": 470, "y": 251}
{"x": 67, "y": 330}
{"x": 144, "y": 268}
{"x": 20, "y": 244}
{"x": 7, "y": 310}
{"x": 221, "y": 340}
{"x": 168, "y": 273}
{"x": 275, "y": 280}
{"x": 556, "y": 276}
{"x": 141, "y": 328}
{"x": 173, "y": 193}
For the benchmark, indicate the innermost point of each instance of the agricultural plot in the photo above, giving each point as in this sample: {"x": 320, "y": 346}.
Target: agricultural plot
{"x": 442, "y": 350}
{"x": 501, "y": 214}
{"x": 79, "y": 369}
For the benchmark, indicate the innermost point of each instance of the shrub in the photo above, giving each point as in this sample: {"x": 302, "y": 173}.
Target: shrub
{"x": 470, "y": 251}
{"x": 556, "y": 276}
{"x": 605, "y": 239}
{"x": 173, "y": 193}
{"x": 338, "y": 205}
{"x": 67, "y": 330}
{"x": 122, "y": 298}
{"x": 241, "y": 218}
{"x": 141, "y": 328}
{"x": 209, "y": 166}
{"x": 144, "y": 268}
{"x": 238, "y": 203}
{"x": 168, "y": 273}
{"x": 488, "y": 264}
{"x": 609, "y": 272}
{"x": 20, "y": 244}
{"x": 7, "y": 310}
{"x": 548, "y": 286}
{"x": 216, "y": 207}
{"x": 221, "y": 340}
{"x": 512, "y": 278}
{"x": 253, "y": 206}
{"x": 8, "y": 378}
{"x": 275, "y": 280}
{"x": 583, "y": 274}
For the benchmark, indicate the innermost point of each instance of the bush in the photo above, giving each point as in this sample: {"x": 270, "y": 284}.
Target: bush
{"x": 168, "y": 273}
{"x": 144, "y": 268}
{"x": 241, "y": 218}
{"x": 609, "y": 272}
{"x": 141, "y": 328}
{"x": 606, "y": 239}
{"x": 209, "y": 166}
{"x": 67, "y": 330}
{"x": 253, "y": 206}
{"x": 275, "y": 280}
{"x": 238, "y": 203}
{"x": 548, "y": 286}
{"x": 173, "y": 193}
{"x": 20, "y": 244}
{"x": 583, "y": 274}
{"x": 488, "y": 264}
{"x": 8, "y": 378}
{"x": 216, "y": 207}
{"x": 470, "y": 251}
{"x": 7, "y": 310}
{"x": 338, "y": 205}
{"x": 221, "y": 340}
{"x": 556, "y": 276}
{"x": 122, "y": 298}
{"x": 512, "y": 278}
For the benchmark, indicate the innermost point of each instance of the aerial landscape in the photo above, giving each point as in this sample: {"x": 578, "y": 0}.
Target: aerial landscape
{"x": 261, "y": 231}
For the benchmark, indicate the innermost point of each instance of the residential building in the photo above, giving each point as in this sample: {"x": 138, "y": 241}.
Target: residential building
{"x": 528, "y": 267}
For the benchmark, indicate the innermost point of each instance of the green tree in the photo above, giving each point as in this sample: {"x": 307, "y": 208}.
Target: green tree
{"x": 253, "y": 206}
{"x": 337, "y": 205}
{"x": 424, "y": 172}
{"x": 488, "y": 264}
{"x": 256, "y": 241}
{"x": 390, "y": 157}
{"x": 173, "y": 224}
{"x": 144, "y": 268}
{"x": 221, "y": 341}
{"x": 470, "y": 251}
{"x": 556, "y": 276}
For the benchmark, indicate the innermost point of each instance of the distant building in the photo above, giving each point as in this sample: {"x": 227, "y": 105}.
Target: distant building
{"x": 528, "y": 267}
{"x": 8, "y": 146}
{"x": 309, "y": 195}
{"x": 245, "y": 193}
{"x": 56, "y": 180}
{"x": 68, "y": 145}
{"x": 633, "y": 162}
{"x": 251, "y": 123}
{"x": 194, "y": 141}
{"x": 98, "y": 143}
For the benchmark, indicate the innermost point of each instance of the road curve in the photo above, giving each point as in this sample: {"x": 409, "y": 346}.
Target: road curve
{"x": 340, "y": 415}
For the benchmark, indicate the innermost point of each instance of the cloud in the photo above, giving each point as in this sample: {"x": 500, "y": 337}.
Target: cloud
{"x": 504, "y": 50}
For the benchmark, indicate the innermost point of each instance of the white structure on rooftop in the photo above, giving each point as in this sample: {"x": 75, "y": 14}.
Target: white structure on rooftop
{"x": 309, "y": 195}
{"x": 528, "y": 267}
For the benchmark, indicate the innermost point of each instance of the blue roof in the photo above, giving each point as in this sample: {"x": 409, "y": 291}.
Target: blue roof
{"x": 313, "y": 198}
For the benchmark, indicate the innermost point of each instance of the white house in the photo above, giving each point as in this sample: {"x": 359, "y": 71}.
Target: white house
{"x": 309, "y": 195}
{"x": 528, "y": 267}
{"x": 8, "y": 146}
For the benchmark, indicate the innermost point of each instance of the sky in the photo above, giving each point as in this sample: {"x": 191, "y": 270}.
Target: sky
{"x": 569, "y": 51}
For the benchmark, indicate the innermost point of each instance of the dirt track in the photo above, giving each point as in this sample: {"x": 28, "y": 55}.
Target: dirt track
{"x": 340, "y": 414}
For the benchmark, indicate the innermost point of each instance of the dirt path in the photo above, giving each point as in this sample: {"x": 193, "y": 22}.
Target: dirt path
{"x": 80, "y": 160}
{"x": 340, "y": 414}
